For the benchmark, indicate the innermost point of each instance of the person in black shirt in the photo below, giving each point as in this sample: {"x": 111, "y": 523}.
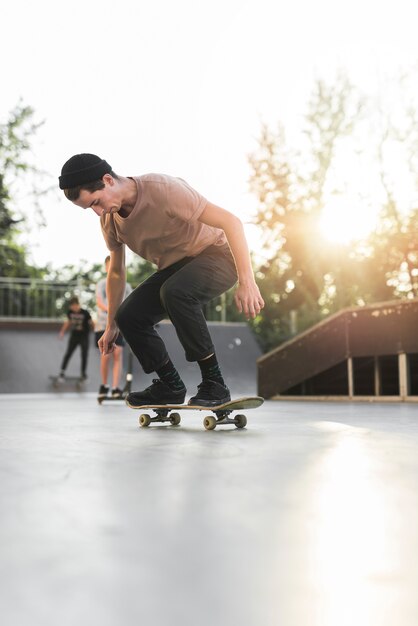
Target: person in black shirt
{"x": 80, "y": 322}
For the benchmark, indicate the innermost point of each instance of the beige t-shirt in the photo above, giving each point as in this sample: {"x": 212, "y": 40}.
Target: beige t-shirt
{"x": 163, "y": 226}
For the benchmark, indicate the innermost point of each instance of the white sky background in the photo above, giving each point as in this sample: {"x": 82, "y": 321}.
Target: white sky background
{"x": 179, "y": 87}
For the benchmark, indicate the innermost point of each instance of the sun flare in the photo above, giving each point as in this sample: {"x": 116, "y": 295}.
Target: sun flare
{"x": 344, "y": 220}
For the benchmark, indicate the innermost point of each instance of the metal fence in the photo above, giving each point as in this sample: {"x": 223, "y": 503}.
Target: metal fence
{"x": 36, "y": 298}
{"x": 43, "y": 299}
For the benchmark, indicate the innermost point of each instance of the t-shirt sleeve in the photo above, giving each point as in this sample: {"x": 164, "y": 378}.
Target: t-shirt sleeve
{"x": 183, "y": 201}
{"x": 109, "y": 234}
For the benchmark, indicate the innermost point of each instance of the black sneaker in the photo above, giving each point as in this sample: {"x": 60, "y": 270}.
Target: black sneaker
{"x": 103, "y": 391}
{"x": 116, "y": 392}
{"x": 210, "y": 393}
{"x": 157, "y": 393}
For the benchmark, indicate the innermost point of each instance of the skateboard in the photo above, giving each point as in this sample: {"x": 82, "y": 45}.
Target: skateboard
{"x": 169, "y": 412}
{"x": 79, "y": 382}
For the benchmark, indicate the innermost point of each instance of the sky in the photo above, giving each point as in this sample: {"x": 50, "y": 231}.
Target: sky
{"x": 179, "y": 87}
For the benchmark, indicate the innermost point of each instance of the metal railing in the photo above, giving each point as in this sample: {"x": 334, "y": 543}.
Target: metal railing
{"x": 37, "y": 298}
{"x": 43, "y": 299}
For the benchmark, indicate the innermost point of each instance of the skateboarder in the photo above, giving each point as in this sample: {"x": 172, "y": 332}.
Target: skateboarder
{"x": 80, "y": 322}
{"x": 114, "y": 358}
{"x": 200, "y": 251}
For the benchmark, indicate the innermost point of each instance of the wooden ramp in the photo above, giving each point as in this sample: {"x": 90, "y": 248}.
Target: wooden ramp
{"x": 368, "y": 352}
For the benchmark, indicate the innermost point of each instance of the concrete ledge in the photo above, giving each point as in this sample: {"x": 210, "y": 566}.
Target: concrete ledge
{"x": 30, "y": 323}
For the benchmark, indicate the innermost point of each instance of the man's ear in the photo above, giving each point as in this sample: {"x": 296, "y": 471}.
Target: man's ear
{"x": 108, "y": 179}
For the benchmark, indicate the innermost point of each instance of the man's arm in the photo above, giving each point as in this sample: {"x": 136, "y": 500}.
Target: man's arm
{"x": 247, "y": 295}
{"x": 115, "y": 289}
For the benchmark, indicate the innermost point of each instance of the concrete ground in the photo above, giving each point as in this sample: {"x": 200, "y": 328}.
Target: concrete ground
{"x": 309, "y": 517}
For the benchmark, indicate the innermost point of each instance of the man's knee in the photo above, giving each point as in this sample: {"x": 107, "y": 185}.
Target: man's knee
{"x": 170, "y": 293}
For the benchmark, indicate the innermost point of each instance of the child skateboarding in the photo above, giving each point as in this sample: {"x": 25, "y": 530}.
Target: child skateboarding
{"x": 200, "y": 252}
{"x": 80, "y": 323}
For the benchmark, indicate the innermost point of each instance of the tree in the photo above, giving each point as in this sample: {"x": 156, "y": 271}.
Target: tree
{"x": 290, "y": 189}
{"x": 395, "y": 241}
{"x": 15, "y": 136}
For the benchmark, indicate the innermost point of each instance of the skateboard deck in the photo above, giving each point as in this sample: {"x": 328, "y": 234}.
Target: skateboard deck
{"x": 220, "y": 417}
{"x": 72, "y": 380}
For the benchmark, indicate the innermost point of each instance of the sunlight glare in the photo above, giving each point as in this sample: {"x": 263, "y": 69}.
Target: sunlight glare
{"x": 351, "y": 553}
{"x": 345, "y": 219}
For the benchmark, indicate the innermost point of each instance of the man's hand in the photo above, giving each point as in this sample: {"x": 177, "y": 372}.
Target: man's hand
{"x": 107, "y": 340}
{"x": 248, "y": 299}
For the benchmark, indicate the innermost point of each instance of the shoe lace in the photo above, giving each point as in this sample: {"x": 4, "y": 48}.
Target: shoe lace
{"x": 156, "y": 381}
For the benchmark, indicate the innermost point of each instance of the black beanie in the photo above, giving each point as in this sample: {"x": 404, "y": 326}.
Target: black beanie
{"x": 82, "y": 169}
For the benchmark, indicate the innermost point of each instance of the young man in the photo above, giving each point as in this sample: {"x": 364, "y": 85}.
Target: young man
{"x": 115, "y": 358}
{"x": 80, "y": 322}
{"x": 200, "y": 251}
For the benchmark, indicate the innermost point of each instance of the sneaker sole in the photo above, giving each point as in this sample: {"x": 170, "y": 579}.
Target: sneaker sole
{"x": 208, "y": 403}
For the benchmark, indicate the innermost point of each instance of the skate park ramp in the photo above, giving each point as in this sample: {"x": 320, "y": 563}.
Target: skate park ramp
{"x": 31, "y": 352}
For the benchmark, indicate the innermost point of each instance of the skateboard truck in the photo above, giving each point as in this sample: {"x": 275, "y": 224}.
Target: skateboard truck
{"x": 210, "y": 422}
{"x": 162, "y": 415}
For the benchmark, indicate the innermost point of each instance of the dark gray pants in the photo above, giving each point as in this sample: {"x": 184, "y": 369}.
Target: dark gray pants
{"x": 77, "y": 339}
{"x": 179, "y": 292}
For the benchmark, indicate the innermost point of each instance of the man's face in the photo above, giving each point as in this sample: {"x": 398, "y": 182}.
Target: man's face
{"x": 102, "y": 201}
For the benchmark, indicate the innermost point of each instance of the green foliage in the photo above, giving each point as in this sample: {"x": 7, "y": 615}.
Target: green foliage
{"x": 290, "y": 191}
{"x": 15, "y": 135}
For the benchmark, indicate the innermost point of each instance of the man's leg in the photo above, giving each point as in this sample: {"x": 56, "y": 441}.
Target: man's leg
{"x": 180, "y": 292}
{"x": 183, "y": 295}
{"x": 136, "y": 318}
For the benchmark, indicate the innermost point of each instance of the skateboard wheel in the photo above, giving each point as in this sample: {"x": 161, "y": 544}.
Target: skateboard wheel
{"x": 144, "y": 420}
{"x": 240, "y": 421}
{"x": 209, "y": 422}
{"x": 175, "y": 419}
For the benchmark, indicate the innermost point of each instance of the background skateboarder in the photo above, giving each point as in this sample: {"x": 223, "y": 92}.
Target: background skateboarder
{"x": 80, "y": 322}
{"x": 200, "y": 251}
